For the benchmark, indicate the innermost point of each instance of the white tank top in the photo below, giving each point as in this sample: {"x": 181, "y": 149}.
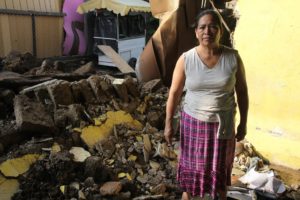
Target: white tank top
{"x": 210, "y": 91}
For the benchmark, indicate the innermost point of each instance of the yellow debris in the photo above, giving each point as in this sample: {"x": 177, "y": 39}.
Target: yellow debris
{"x": 93, "y": 134}
{"x": 62, "y": 189}
{"x": 97, "y": 122}
{"x": 8, "y": 187}
{"x": 140, "y": 171}
{"x": 77, "y": 130}
{"x": 132, "y": 157}
{"x": 121, "y": 175}
{"x": 128, "y": 177}
{"x": 154, "y": 165}
{"x": 143, "y": 106}
{"x": 55, "y": 148}
{"x": 139, "y": 138}
{"x": 18, "y": 166}
{"x": 110, "y": 162}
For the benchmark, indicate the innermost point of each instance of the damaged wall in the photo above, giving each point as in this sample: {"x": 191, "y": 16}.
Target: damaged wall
{"x": 267, "y": 37}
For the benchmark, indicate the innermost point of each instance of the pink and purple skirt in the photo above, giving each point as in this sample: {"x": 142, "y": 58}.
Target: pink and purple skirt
{"x": 205, "y": 162}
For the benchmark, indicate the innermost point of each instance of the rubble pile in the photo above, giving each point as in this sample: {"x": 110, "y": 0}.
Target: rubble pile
{"x": 97, "y": 138}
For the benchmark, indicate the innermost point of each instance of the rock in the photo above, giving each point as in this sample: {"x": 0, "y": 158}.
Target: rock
{"x": 7, "y": 96}
{"x": 70, "y": 115}
{"x": 89, "y": 182}
{"x": 80, "y": 154}
{"x": 110, "y": 188}
{"x": 159, "y": 189}
{"x": 121, "y": 89}
{"x": 88, "y": 68}
{"x": 42, "y": 95}
{"x": 47, "y": 68}
{"x": 61, "y": 93}
{"x": 152, "y": 86}
{"x": 94, "y": 168}
{"x": 132, "y": 86}
{"x": 97, "y": 86}
{"x": 82, "y": 92}
{"x": 58, "y": 65}
{"x": 31, "y": 116}
{"x": 155, "y": 119}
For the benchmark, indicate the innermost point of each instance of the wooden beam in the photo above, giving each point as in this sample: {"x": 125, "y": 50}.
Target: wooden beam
{"x": 116, "y": 58}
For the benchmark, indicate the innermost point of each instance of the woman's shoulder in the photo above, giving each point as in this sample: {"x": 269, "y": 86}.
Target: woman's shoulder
{"x": 229, "y": 50}
{"x": 190, "y": 51}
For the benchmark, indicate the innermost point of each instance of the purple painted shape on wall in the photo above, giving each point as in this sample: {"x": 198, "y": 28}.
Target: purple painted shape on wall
{"x": 74, "y": 43}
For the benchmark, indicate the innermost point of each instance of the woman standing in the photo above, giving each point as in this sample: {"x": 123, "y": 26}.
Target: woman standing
{"x": 211, "y": 74}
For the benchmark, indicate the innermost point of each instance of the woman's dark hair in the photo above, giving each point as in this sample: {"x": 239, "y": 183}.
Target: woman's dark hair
{"x": 216, "y": 17}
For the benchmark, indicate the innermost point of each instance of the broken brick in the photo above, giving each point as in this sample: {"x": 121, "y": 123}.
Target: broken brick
{"x": 111, "y": 188}
{"x": 60, "y": 93}
{"x": 82, "y": 92}
{"x": 31, "y": 116}
{"x": 95, "y": 83}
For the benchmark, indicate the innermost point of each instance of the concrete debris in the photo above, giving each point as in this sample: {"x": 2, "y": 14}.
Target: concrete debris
{"x": 46, "y": 68}
{"x": 20, "y": 63}
{"x": 80, "y": 154}
{"x": 69, "y": 115}
{"x": 121, "y": 89}
{"x": 31, "y": 116}
{"x": 152, "y": 86}
{"x": 111, "y": 188}
{"x": 60, "y": 93}
{"x": 88, "y": 68}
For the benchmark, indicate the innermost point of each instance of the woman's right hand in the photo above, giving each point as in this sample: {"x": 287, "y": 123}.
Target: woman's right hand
{"x": 168, "y": 133}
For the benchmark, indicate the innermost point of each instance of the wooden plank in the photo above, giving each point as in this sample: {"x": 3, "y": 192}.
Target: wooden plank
{"x": 52, "y": 5}
{"x": 57, "y": 5}
{"x": 43, "y": 6}
{"x": 20, "y": 33}
{"x": 116, "y": 58}
{"x": 6, "y": 38}
{"x": 17, "y": 5}
{"x": 2, "y": 4}
{"x": 2, "y": 54}
{"x": 9, "y": 4}
{"x": 24, "y": 5}
{"x": 48, "y": 6}
{"x": 30, "y": 4}
{"x": 49, "y": 36}
{"x": 36, "y": 4}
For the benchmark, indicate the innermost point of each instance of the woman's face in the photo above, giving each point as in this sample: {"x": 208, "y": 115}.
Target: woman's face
{"x": 208, "y": 31}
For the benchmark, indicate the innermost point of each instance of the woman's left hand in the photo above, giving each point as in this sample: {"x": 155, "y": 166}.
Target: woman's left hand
{"x": 241, "y": 132}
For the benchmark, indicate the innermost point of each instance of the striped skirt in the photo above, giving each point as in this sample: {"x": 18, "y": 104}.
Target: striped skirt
{"x": 205, "y": 162}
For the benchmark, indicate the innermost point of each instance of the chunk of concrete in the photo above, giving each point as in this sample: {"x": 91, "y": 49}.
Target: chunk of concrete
{"x": 31, "y": 116}
{"x": 71, "y": 115}
{"x": 86, "y": 69}
{"x": 99, "y": 87}
{"x": 111, "y": 188}
{"x": 121, "y": 89}
{"x": 152, "y": 86}
{"x": 7, "y": 96}
{"x": 132, "y": 86}
{"x": 61, "y": 93}
{"x": 82, "y": 92}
